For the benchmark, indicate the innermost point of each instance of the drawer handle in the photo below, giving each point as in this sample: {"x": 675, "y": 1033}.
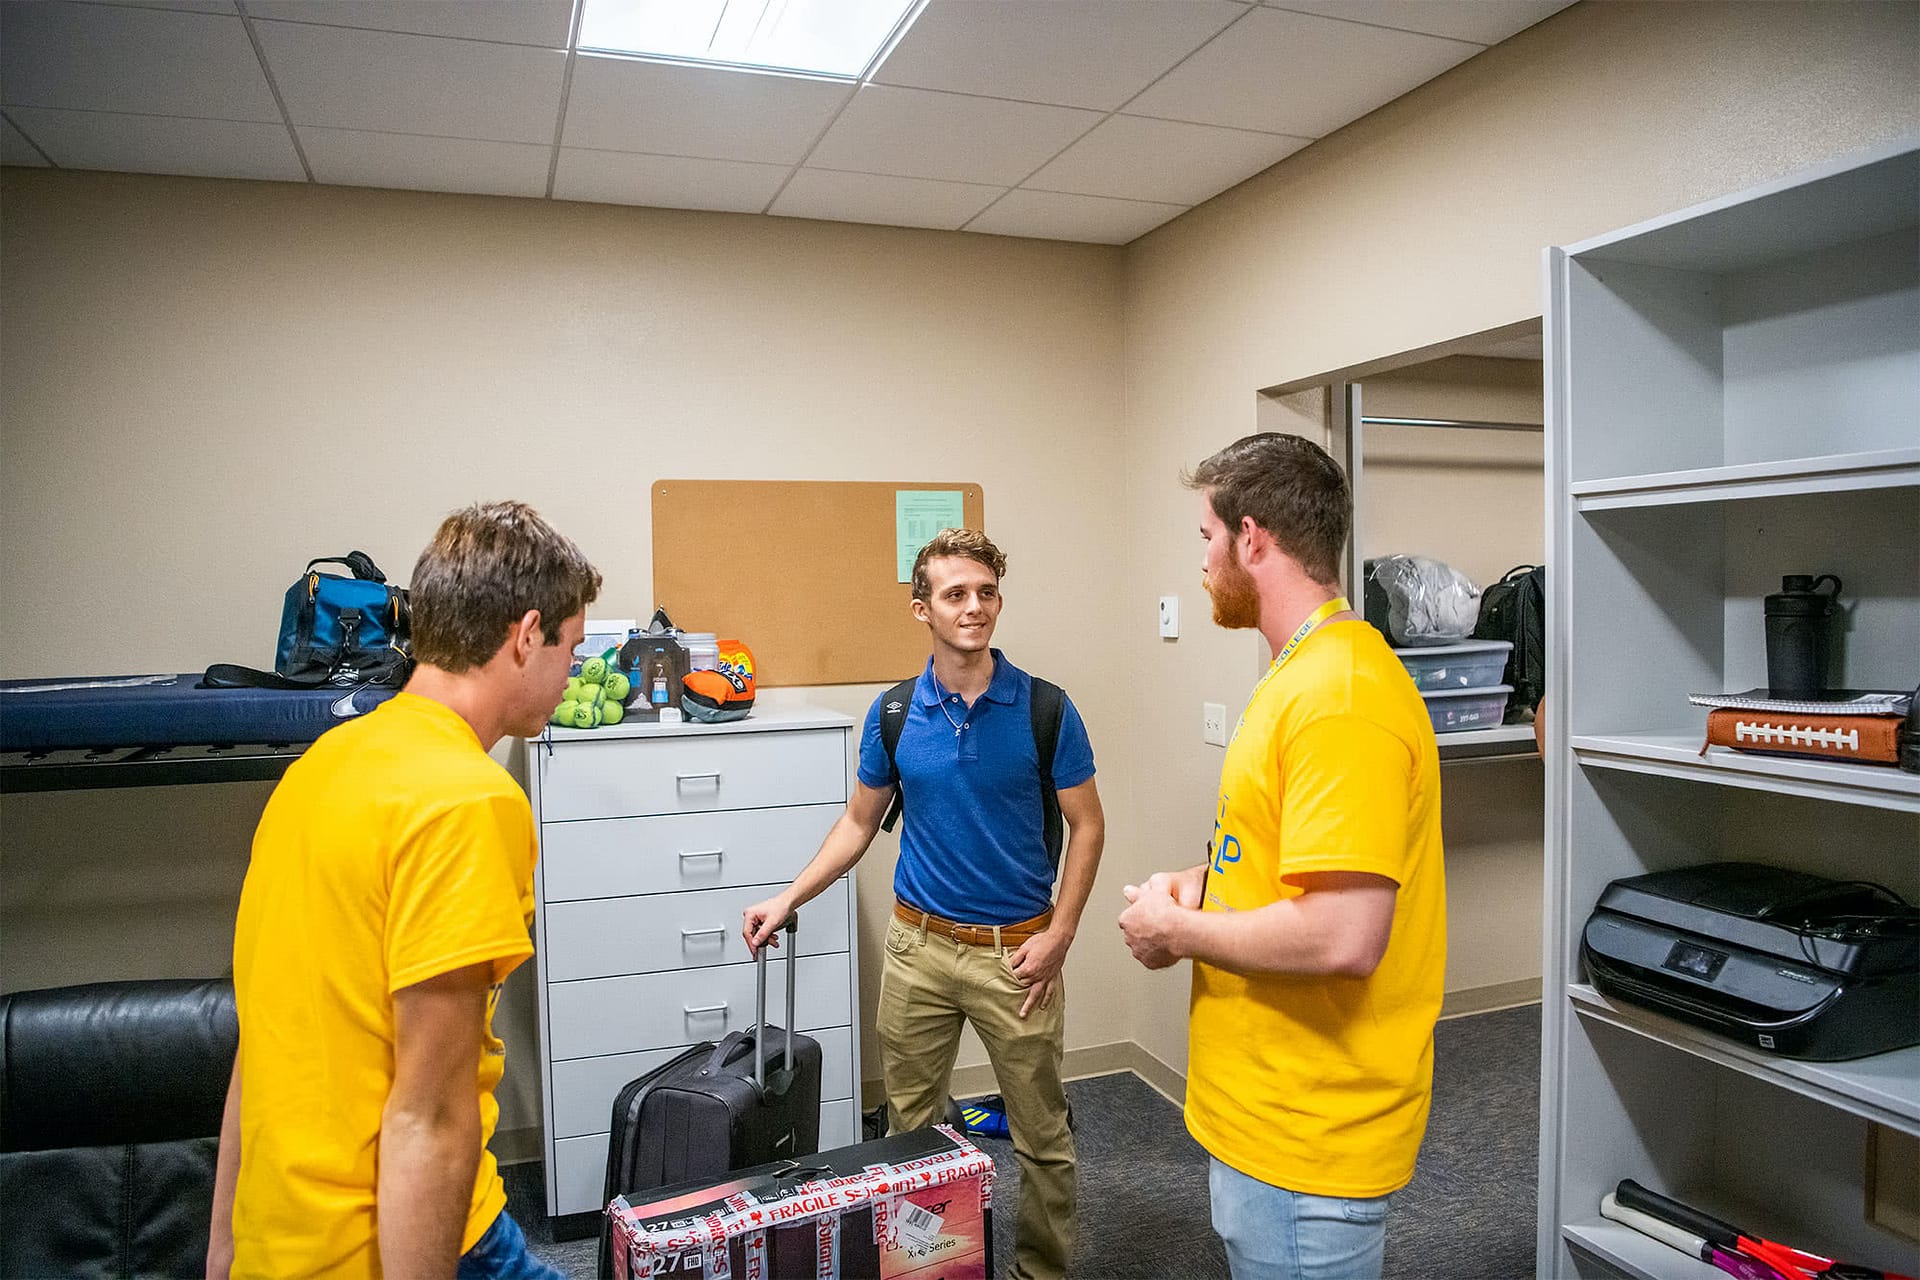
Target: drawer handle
{"x": 718, "y": 931}
{"x": 680, "y": 779}
{"x": 694, "y": 1010}
{"x": 700, "y": 853}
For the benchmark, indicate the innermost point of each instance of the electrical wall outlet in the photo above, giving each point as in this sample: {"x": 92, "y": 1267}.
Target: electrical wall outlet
{"x": 1213, "y": 723}
{"x": 1169, "y": 617}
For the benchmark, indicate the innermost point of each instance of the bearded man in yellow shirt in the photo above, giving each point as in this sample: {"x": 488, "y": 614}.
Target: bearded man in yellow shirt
{"x": 389, "y": 895}
{"x": 1317, "y": 926}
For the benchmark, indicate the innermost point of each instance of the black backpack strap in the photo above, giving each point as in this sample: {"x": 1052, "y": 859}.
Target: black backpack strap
{"x": 895, "y": 703}
{"x": 1049, "y": 707}
{"x": 358, "y": 562}
{"x": 226, "y": 675}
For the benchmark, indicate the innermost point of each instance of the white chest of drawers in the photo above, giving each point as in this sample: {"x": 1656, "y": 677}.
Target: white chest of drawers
{"x": 653, "y": 839}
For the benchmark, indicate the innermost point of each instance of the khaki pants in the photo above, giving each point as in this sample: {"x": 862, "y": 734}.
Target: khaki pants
{"x": 929, "y": 986}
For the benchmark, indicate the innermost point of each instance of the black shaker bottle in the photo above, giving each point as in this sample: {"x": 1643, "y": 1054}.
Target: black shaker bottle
{"x": 1798, "y": 620}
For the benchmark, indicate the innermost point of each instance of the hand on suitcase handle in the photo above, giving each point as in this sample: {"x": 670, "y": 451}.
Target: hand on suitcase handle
{"x": 755, "y": 929}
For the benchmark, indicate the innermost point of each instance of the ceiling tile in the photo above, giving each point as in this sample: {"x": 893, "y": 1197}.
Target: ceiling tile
{"x": 895, "y": 202}
{"x": 1297, "y": 73}
{"x": 15, "y": 149}
{"x": 672, "y": 182}
{"x": 1049, "y": 215}
{"x": 341, "y": 78}
{"x": 914, "y": 133}
{"x": 1161, "y": 160}
{"x": 350, "y": 158}
{"x": 1482, "y": 21}
{"x": 537, "y": 22}
{"x": 91, "y": 57}
{"x": 1074, "y": 53}
{"x": 162, "y": 144}
{"x": 627, "y": 104}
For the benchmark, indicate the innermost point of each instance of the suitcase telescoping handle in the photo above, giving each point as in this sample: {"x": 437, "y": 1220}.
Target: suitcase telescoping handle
{"x": 792, "y": 927}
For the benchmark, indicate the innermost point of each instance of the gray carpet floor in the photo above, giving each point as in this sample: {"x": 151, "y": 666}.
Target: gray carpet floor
{"x": 1467, "y": 1215}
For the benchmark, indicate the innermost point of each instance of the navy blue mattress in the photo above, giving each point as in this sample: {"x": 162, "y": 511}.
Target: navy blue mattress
{"x": 98, "y": 712}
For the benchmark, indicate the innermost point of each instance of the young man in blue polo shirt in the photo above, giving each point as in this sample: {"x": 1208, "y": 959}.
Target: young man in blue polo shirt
{"x": 976, "y": 935}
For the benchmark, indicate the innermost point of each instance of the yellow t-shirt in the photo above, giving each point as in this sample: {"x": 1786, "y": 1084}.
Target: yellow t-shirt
{"x": 393, "y": 851}
{"x": 1321, "y": 1084}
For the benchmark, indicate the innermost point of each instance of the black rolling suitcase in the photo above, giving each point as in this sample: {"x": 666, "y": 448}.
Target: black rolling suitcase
{"x": 717, "y": 1107}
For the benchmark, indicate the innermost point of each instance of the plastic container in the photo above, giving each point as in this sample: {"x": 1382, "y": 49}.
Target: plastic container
{"x": 603, "y": 634}
{"x": 1454, "y": 710}
{"x": 703, "y": 650}
{"x": 1471, "y": 664}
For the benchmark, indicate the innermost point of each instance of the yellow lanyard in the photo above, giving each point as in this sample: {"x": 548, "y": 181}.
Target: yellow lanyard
{"x": 1336, "y": 605}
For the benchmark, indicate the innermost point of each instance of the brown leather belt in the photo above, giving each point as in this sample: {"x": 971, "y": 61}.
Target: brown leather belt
{"x": 973, "y": 935}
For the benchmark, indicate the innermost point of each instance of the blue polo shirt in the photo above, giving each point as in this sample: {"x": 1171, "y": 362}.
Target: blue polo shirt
{"x": 972, "y": 847}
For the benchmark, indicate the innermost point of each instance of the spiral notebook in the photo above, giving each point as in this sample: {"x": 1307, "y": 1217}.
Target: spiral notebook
{"x": 1834, "y": 702}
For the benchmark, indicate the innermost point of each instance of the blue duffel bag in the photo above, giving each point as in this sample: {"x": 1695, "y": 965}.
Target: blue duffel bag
{"x": 335, "y": 631}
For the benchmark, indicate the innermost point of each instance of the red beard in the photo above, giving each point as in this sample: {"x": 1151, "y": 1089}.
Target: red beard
{"x": 1236, "y": 601}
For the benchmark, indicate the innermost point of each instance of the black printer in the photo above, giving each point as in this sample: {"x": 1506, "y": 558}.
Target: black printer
{"x": 1796, "y": 964}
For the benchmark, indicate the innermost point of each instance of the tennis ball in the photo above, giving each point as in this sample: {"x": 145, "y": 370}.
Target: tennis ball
{"x": 573, "y": 686}
{"x": 590, "y": 694}
{"x": 584, "y": 715}
{"x": 563, "y": 715}
{"x": 617, "y": 687}
{"x": 612, "y": 713}
{"x": 593, "y": 670}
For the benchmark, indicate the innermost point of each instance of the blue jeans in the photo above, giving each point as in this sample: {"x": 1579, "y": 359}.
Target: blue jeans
{"x": 502, "y": 1254}
{"x": 1275, "y": 1234}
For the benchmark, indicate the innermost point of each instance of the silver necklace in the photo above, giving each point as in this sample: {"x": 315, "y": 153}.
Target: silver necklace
{"x": 958, "y": 725}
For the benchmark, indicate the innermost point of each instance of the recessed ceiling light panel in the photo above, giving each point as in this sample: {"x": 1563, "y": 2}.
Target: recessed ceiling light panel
{"x": 813, "y": 37}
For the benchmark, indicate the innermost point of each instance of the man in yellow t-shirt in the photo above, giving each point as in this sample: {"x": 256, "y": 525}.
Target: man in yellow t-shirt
{"x": 389, "y": 895}
{"x": 1317, "y": 926}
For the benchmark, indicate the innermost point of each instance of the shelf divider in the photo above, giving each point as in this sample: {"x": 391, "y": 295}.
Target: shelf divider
{"x": 1832, "y": 473}
{"x": 1633, "y": 1254}
{"x": 1673, "y": 755}
{"x": 1884, "y": 1088}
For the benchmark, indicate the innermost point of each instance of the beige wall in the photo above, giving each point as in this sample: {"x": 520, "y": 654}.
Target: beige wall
{"x": 206, "y": 382}
{"x": 1415, "y": 225}
{"x": 1473, "y": 498}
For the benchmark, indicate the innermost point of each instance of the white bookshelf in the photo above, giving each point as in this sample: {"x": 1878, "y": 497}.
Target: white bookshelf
{"x": 1733, "y": 394}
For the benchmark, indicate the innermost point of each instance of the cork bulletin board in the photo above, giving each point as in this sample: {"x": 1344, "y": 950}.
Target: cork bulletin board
{"x": 805, "y": 572}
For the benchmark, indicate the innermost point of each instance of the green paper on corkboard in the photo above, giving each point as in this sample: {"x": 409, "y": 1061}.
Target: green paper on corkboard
{"x": 918, "y": 514}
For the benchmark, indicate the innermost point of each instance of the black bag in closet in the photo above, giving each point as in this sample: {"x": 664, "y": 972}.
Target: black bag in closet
{"x": 1515, "y": 608}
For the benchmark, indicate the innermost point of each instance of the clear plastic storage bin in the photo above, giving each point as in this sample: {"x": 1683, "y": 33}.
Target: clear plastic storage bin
{"x": 1471, "y": 664}
{"x": 703, "y": 650}
{"x": 1456, "y": 709}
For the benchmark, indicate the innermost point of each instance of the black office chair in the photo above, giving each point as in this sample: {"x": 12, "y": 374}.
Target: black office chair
{"x": 110, "y": 1103}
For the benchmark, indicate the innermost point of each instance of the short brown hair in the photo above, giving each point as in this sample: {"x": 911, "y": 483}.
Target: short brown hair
{"x": 967, "y": 544}
{"x": 486, "y": 566}
{"x": 1291, "y": 488}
